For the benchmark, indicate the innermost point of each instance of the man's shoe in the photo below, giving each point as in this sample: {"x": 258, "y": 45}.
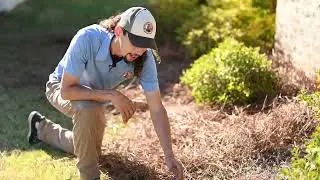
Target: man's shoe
{"x": 34, "y": 118}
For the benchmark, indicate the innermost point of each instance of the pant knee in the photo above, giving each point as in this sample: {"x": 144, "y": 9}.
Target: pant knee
{"x": 88, "y": 116}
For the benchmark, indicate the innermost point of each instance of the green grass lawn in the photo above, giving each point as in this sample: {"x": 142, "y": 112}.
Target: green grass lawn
{"x": 33, "y": 38}
{"x": 36, "y": 164}
{"x": 18, "y": 159}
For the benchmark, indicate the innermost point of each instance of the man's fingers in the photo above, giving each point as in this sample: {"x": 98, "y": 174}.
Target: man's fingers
{"x": 130, "y": 109}
{"x": 124, "y": 114}
{"x": 126, "y": 107}
{"x": 179, "y": 167}
{"x": 178, "y": 171}
{"x": 140, "y": 105}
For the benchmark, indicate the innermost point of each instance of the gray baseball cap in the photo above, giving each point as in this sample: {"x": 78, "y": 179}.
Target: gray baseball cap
{"x": 140, "y": 25}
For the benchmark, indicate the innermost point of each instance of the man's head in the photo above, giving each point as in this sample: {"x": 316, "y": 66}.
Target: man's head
{"x": 136, "y": 32}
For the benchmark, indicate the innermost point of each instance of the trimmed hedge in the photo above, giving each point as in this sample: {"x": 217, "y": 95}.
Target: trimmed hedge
{"x": 231, "y": 73}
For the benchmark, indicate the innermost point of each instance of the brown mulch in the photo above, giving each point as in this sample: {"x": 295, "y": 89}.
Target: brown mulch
{"x": 211, "y": 143}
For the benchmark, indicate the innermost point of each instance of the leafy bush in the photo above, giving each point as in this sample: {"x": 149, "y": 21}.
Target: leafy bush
{"x": 231, "y": 73}
{"x": 206, "y": 30}
{"x": 228, "y": 18}
{"x": 259, "y": 31}
{"x": 171, "y": 14}
{"x": 269, "y": 5}
{"x": 307, "y": 167}
{"x": 313, "y": 100}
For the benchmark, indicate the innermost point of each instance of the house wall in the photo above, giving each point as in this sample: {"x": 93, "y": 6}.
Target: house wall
{"x": 297, "y": 46}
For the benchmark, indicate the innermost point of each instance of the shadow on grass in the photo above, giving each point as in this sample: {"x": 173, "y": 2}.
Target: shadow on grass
{"x": 55, "y": 153}
{"x": 119, "y": 167}
{"x": 116, "y": 166}
{"x": 16, "y": 104}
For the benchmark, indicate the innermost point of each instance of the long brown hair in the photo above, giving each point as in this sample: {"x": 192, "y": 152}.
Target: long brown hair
{"x": 109, "y": 24}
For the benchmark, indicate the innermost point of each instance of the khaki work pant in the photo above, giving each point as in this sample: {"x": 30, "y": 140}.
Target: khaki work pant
{"x": 84, "y": 140}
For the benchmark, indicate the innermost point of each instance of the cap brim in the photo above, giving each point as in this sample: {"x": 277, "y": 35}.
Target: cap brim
{"x": 142, "y": 42}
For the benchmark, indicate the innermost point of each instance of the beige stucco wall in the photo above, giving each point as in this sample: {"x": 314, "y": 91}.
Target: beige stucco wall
{"x": 297, "y": 45}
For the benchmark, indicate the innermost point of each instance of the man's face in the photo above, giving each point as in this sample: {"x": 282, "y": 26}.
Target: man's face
{"x": 128, "y": 50}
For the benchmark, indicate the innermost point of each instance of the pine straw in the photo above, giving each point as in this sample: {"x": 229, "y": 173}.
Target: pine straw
{"x": 210, "y": 143}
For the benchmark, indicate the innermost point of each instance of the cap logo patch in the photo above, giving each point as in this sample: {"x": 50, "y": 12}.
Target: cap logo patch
{"x": 148, "y": 27}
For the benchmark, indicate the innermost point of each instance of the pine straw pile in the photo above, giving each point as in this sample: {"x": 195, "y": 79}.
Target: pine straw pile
{"x": 212, "y": 144}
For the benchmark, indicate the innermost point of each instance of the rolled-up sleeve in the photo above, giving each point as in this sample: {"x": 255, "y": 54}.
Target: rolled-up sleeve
{"x": 77, "y": 54}
{"x": 149, "y": 75}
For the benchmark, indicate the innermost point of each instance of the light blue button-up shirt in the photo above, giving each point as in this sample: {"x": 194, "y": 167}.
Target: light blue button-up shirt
{"x": 88, "y": 57}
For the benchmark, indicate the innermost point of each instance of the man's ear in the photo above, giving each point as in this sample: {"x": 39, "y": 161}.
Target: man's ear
{"x": 118, "y": 31}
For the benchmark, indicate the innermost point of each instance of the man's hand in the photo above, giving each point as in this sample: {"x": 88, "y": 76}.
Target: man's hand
{"x": 175, "y": 167}
{"x": 124, "y": 105}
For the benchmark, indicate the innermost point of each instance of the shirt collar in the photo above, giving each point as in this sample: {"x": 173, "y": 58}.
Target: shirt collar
{"x": 104, "y": 52}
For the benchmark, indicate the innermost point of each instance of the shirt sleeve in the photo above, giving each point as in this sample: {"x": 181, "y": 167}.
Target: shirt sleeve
{"x": 149, "y": 75}
{"x": 77, "y": 54}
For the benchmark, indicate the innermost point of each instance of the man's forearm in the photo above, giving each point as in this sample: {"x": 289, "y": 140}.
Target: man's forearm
{"x": 78, "y": 92}
{"x": 162, "y": 128}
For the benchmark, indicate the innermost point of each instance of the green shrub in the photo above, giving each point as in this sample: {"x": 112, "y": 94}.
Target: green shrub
{"x": 171, "y": 14}
{"x": 308, "y": 166}
{"x": 312, "y": 99}
{"x": 269, "y": 5}
{"x": 228, "y": 18}
{"x": 231, "y": 73}
{"x": 208, "y": 28}
{"x": 259, "y": 31}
